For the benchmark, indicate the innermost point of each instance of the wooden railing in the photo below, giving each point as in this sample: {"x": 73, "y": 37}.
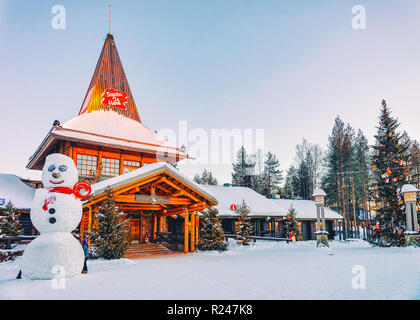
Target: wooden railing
{"x": 9, "y": 240}
{"x": 170, "y": 240}
{"x": 255, "y": 238}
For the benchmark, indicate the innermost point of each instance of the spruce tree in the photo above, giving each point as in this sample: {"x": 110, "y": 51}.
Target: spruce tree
{"x": 361, "y": 165}
{"x": 292, "y": 225}
{"x": 336, "y": 179}
{"x": 211, "y": 236}
{"x": 205, "y": 178}
{"x": 390, "y": 170}
{"x": 243, "y": 170}
{"x": 9, "y": 222}
{"x": 109, "y": 234}
{"x": 291, "y": 184}
{"x": 415, "y": 166}
{"x": 272, "y": 176}
{"x": 245, "y": 226}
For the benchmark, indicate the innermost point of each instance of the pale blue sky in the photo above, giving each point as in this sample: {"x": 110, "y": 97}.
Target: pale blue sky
{"x": 288, "y": 67}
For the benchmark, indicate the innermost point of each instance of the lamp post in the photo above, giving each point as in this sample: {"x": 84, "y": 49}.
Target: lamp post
{"x": 321, "y": 232}
{"x": 410, "y": 198}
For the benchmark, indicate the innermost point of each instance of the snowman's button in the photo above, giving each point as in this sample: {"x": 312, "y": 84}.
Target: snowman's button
{"x": 52, "y": 220}
{"x": 52, "y": 211}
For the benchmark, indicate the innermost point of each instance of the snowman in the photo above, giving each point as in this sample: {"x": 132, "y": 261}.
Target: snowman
{"x": 56, "y": 211}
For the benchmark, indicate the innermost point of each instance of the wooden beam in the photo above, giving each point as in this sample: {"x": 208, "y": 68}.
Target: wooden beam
{"x": 123, "y": 189}
{"x": 201, "y": 195}
{"x": 178, "y": 193}
{"x": 160, "y": 223}
{"x": 181, "y": 189}
{"x": 131, "y": 198}
{"x": 186, "y": 225}
{"x": 196, "y": 227}
{"x": 192, "y": 231}
{"x": 154, "y": 225}
{"x": 129, "y": 206}
{"x": 163, "y": 188}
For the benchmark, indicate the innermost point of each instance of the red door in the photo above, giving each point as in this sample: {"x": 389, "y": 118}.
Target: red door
{"x": 134, "y": 230}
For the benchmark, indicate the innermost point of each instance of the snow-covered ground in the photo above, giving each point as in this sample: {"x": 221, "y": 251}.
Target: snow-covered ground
{"x": 266, "y": 270}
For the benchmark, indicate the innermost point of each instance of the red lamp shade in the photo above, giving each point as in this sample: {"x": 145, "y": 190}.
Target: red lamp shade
{"x": 233, "y": 206}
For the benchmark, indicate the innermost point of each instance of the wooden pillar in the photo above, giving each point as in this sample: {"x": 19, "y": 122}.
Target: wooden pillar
{"x": 186, "y": 231}
{"x": 160, "y": 223}
{"x": 121, "y": 163}
{"x": 154, "y": 225}
{"x": 197, "y": 223}
{"x": 192, "y": 231}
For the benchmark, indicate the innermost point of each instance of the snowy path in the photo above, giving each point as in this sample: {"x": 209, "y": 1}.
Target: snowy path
{"x": 265, "y": 271}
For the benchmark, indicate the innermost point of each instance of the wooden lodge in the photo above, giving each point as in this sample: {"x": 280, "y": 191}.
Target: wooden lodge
{"x": 269, "y": 215}
{"x": 112, "y": 147}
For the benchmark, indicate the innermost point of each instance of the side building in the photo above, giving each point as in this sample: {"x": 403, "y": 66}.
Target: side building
{"x": 269, "y": 215}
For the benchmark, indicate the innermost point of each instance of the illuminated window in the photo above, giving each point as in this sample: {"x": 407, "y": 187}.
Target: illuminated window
{"x": 110, "y": 167}
{"x": 86, "y": 165}
{"x": 131, "y": 165}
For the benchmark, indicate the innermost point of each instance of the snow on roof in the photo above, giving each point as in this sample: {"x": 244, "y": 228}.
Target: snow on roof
{"x": 258, "y": 204}
{"x": 409, "y": 188}
{"x": 319, "y": 192}
{"x": 113, "y": 128}
{"x": 305, "y": 209}
{"x": 145, "y": 171}
{"x": 13, "y": 189}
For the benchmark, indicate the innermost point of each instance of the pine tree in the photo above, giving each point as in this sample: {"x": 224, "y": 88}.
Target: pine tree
{"x": 291, "y": 184}
{"x": 361, "y": 165}
{"x": 335, "y": 181}
{"x": 272, "y": 176}
{"x": 205, "y": 178}
{"x": 390, "y": 171}
{"x": 415, "y": 160}
{"x": 9, "y": 222}
{"x": 211, "y": 236}
{"x": 109, "y": 234}
{"x": 308, "y": 168}
{"x": 245, "y": 226}
{"x": 292, "y": 225}
{"x": 243, "y": 170}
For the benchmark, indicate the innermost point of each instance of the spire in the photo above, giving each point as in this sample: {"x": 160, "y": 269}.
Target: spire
{"x": 109, "y": 90}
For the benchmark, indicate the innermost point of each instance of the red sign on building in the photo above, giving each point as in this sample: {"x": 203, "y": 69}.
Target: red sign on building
{"x": 114, "y": 99}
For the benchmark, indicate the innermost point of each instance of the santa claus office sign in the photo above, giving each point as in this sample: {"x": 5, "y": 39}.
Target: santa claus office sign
{"x": 114, "y": 99}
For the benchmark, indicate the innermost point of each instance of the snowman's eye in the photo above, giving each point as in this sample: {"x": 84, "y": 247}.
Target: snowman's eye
{"x": 62, "y": 168}
{"x": 51, "y": 168}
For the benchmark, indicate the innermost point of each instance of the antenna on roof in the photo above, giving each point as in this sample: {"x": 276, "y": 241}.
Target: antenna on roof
{"x": 109, "y": 19}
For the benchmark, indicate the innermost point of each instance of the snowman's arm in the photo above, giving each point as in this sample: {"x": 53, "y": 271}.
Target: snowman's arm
{"x": 39, "y": 198}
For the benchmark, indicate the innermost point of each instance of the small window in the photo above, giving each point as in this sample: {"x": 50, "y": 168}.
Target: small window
{"x": 86, "y": 165}
{"x": 110, "y": 167}
{"x": 130, "y": 165}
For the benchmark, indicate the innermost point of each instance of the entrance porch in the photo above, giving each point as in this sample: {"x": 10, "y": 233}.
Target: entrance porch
{"x": 161, "y": 204}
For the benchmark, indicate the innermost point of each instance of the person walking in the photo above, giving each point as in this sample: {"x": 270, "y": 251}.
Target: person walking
{"x": 86, "y": 252}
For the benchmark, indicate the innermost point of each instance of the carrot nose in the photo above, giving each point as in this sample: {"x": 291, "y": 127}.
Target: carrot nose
{"x": 56, "y": 175}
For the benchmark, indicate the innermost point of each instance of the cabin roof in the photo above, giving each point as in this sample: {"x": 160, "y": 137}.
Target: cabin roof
{"x": 258, "y": 204}
{"x": 305, "y": 209}
{"x": 13, "y": 189}
{"x": 104, "y": 127}
{"x": 148, "y": 170}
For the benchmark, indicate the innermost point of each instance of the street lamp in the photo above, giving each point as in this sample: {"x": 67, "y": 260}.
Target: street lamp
{"x": 321, "y": 232}
{"x": 410, "y": 198}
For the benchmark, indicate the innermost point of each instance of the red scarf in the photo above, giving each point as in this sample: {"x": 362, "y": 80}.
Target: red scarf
{"x": 65, "y": 190}
{"x": 82, "y": 185}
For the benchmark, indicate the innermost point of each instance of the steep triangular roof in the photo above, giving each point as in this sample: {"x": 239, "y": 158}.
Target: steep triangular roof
{"x": 109, "y": 74}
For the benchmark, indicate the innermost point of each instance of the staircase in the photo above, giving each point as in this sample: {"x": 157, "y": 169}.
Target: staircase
{"x": 147, "y": 250}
